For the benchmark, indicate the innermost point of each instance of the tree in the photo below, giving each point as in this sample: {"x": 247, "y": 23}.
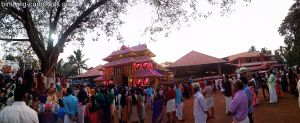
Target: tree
{"x": 266, "y": 51}
{"x": 10, "y": 57}
{"x": 290, "y": 29}
{"x": 38, "y": 24}
{"x": 76, "y": 60}
{"x": 252, "y": 48}
{"x": 60, "y": 67}
{"x": 166, "y": 64}
{"x": 279, "y": 57}
{"x": 65, "y": 69}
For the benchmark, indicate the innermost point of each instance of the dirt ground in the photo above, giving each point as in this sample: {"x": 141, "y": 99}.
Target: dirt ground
{"x": 285, "y": 111}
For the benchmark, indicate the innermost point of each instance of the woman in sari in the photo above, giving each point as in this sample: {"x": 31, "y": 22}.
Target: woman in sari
{"x": 106, "y": 116}
{"x": 284, "y": 82}
{"x": 157, "y": 116}
{"x": 93, "y": 110}
{"x": 134, "y": 118}
{"x": 278, "y": 88}
{"x": 272, "y": 89}
{"x": 254, "y": 98}
{"x": 124, "y": 107}
{"x": 141, "y": 105}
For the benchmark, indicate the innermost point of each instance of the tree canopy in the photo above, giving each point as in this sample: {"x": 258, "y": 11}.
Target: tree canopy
{"x": 47, "y": 26}
{"x": 290, "y": 29}
{"x": 74, "y": 66}
{"x": 166, "y": 64}
{"x": 266, "y": 51}
{"x": 252, "y": 48}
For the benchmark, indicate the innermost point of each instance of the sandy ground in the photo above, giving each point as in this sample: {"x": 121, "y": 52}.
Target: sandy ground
{"x": 285, "y": 111}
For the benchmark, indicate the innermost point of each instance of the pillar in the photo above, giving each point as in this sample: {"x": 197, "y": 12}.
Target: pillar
{"x": 219, "y": 69}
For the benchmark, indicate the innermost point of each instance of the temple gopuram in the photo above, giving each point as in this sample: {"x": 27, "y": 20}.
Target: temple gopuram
{"x": 131, "y": 66}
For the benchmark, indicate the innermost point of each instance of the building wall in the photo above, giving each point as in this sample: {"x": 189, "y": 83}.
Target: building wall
{"x": 252, "y": 60}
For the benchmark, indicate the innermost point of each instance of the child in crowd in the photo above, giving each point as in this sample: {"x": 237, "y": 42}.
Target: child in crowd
{"x": 48, "y": 116}
{"x": 35, "y": 104}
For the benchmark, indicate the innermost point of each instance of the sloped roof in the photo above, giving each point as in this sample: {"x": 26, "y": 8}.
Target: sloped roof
{"x": 246, "y": 54}
{"x": 89, "y": 73}
{"x": 125, "y": 50}
{"x": 196, "y": 58}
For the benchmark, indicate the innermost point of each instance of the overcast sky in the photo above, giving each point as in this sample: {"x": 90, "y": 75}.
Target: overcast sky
{"x": 255, "y": 24}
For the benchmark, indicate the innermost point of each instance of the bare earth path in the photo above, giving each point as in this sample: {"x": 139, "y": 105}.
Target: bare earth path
{"x": 285, "y": 111}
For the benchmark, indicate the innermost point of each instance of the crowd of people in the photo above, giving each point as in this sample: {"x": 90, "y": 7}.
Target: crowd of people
{"x": 274, "y": 81}
{"x": 82, "y": 103}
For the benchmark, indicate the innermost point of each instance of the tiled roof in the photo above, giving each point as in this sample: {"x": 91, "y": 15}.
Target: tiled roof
{"x": 246, "y": 54}
{"x": 147, "y": 73}
{"x": 90, "y": 73}
{"x": 128, "y": 60}
{"x": 196, "y": 58}
{"x": 125, "y": 50}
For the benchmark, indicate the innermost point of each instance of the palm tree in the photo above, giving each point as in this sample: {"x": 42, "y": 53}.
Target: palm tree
{"x": 60, "y": 67}
{"x": 76, "y": 60}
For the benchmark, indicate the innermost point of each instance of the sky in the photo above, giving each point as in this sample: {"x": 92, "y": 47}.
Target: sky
{"x": 218, "y": 36}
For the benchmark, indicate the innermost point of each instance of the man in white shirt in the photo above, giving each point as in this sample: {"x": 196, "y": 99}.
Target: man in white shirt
{"x": 19, "y": 112}
{"x": 200, "y": 107}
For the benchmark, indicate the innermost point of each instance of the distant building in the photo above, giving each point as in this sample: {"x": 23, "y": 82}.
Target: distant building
{"x": 197, "y": 65}
{"x": 91, "y": 76}
{"x": 253, "y": 60}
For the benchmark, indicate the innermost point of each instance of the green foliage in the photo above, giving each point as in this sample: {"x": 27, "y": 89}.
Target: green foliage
{"x": 10, "y": 57}
{"x": 76, "y": 60}
{"x": 72, "y": 20}
{"x": 279, "y": 57}
{"x": 74, "y": 66}
{"x": 166, "y": 64}
{"x": 266, "y": 51}
{"x": 290, "y": 28}
{"x": 252, "y": 48}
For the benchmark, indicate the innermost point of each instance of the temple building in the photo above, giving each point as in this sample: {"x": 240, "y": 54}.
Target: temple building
{"x": 131, "y": 66}
{"x": 253, "y": 60}
{"x": 197, "y": 65}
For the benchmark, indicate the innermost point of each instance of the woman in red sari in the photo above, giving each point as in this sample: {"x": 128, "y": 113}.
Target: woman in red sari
{"x": 255, "y": 100}
{"x": 277, "y": 86}
{"x": 93, "y": 111}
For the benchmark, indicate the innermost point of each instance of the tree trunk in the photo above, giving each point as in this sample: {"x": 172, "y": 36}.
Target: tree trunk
{"x": 48, "y": 68}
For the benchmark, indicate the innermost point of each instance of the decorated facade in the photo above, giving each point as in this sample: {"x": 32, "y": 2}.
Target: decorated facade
{"x": 131, "y": 66}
